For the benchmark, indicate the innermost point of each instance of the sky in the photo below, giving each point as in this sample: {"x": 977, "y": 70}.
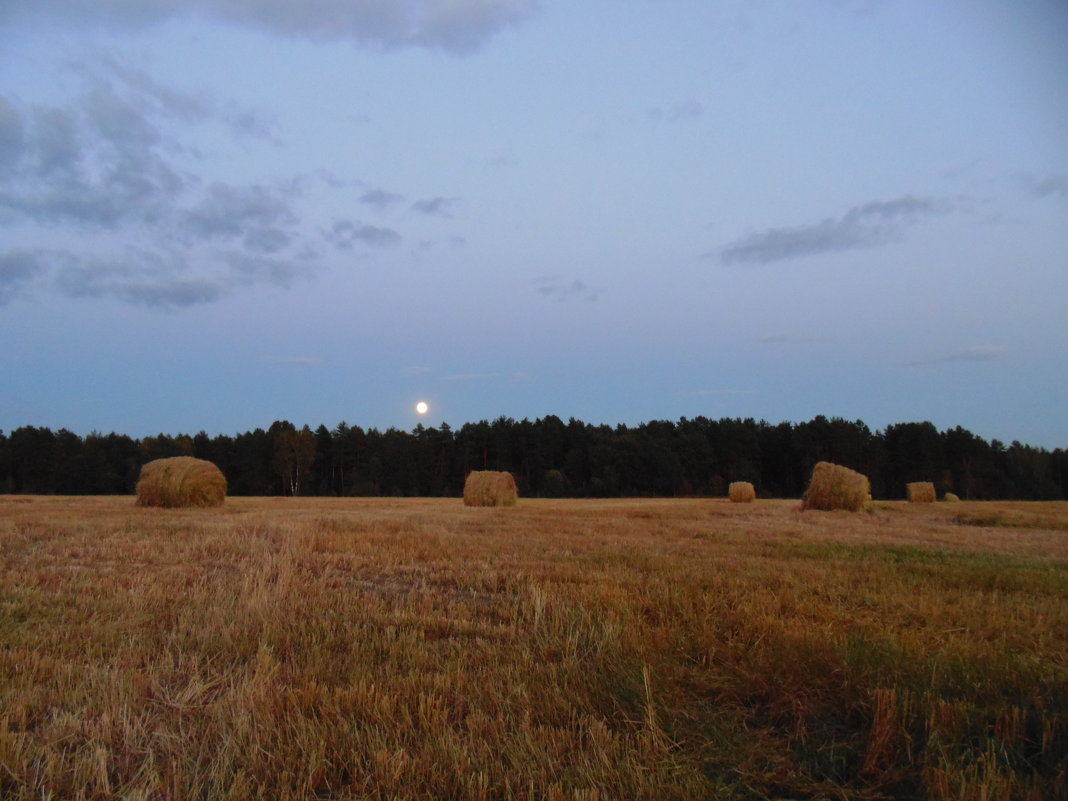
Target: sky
{"x": 215, "y": 214}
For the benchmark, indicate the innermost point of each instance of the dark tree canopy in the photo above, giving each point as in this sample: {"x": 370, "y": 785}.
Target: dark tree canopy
{"x": 548, "y": 457}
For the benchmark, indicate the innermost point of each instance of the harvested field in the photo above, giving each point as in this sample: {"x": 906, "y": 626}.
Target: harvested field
{"x": 640, "y": 649}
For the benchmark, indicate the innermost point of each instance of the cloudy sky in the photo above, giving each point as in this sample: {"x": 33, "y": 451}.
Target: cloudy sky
{"x": 219, "y": 213}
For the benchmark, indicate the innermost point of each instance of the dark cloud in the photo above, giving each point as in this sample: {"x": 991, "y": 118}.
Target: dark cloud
{"x": 439, "y": 206}
{"x": 686, "y": 110}
{"x": 345, "y": 233}
{"x": 228, "y": 211}
{"x": 143, "y": 282}
{"x": 982, "y": 353}
{"x": 870, "y": 225}
{"x": 559, "y": 289}
{"x": 17, "y": 268}
{"x": 380, "y": 198}
{"x": 458, "y": 26}
{"x": 1050, "y": 186}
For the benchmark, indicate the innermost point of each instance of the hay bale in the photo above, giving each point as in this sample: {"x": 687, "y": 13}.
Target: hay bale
{"x": 951, "y": 498}
{"x": 741, "y": 492}
{"x": 490, "y": 488}
{"x": 181, "y": 481}
{"x": 835, "y": 487}
{"x": 920, "y": 492}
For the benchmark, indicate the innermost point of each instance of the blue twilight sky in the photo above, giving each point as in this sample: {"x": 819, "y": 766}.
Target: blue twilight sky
{"x": 219, "y": 213}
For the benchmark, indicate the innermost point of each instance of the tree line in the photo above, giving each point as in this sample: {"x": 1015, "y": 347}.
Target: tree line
{"x": 548, "y": 457}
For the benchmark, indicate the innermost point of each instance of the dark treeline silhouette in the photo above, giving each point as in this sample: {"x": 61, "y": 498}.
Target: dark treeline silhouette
{"x": 549, "y": 458}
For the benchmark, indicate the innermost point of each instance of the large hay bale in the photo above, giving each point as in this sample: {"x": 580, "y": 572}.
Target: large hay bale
{"x": 181, "y": 481}
{"x": 920, "y": 492}
{"x": 490, "y": 488}
{"x": 741, "y": 492}
{"x": 951, "y": 498}
{"x": 835, "y": 487}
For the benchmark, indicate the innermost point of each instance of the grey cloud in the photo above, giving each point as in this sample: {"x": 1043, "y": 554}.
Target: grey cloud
{"x": 870, "y": 225}
{"x": 246, "y": 270}
{"x": 11, "y": 136}
{"x": 458, "y": 26}
{"x": 17, "y": 268}
{"x": 981, "y": 353}
{"x": 1051, "y": 186}
{"x": 345, "y": 234}
{"x": 554, "y": 287}
{"x": 686, "y": 110}
{"x": 229, "y": 211}
{"x": 439, "y": 206}
{"x": 94, "y": 163}
{"x": 134, "y": 284}
{"x": 380, "y": 198}
{"x": 267, "y": 240}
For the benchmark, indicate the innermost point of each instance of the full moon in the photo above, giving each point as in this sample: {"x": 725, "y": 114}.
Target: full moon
{"x": 422, "y": 407}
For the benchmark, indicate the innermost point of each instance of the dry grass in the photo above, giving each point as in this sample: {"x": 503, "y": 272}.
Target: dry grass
{"x": 833, "y": 486}
{"x": 660, "y": 649}
{"x": 920, "y": 492}
{"x": 741, "y": 492}
{"x": 181, "y": 481}
{"x": 490, "y": 488}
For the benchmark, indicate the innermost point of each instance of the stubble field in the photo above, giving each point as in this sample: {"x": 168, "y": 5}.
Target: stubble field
{"x": 639, "y": 649}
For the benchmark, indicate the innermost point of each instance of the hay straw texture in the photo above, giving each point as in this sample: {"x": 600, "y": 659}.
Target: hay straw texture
{"x": 741, "y": 492}
{"x": 920, "y": 492}
{"x": 490, "y": 488}
{"x": 181, "y": 481}
{"x": 951, "y": 498}
{"x": 835, "y": 487}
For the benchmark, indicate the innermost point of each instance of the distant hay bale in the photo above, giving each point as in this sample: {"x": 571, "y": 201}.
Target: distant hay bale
{"x": 920, "y": 492}
{"x": 181, "y": 481}
{"x": 835, "y": 487}
{"x": 951, "y": 498}
{"x": 490, "y": 488}
{"x": 741, "y": 492}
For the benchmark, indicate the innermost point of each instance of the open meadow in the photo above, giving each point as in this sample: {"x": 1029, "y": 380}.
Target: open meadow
{"x": 572, "y": 649}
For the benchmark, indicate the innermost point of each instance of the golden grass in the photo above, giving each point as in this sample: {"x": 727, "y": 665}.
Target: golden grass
{"x": 833, "y": 486}
{"x": 920, "y": 492}
{"x": 181, "y": 481}
{"x": 490, "y": 488}
{"x": 653, "y": 649}
{"x": 741, "y": 492}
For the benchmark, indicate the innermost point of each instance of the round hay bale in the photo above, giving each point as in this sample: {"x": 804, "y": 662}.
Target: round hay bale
{"x": 181, "y": 481}
{"x": 490, "y": 488}
{"x": 835, "y": 487}
{"x": 741, "y": 492}
{"x": 920, "y": 492}
{"x": 951, "y": 498}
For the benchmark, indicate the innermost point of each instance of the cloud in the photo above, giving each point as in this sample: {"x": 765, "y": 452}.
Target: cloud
{"x": 380, "y": 198}
{"x": 102, "y": 166}
{"x": 870, "y": 225}
{"x": 345, "y": 233}
{"x": 562, "y": 290}
{"x": 134, "y": 284}
{"x": 228, "y": 211}
{"x": 981, "y": 353}
{"x": 680, "y": 112}
{"x": 1050, "y": 186}
{"x": 17, "y": 268}
{"x": 439, "y": 206}
{"x": 458, "y": 26}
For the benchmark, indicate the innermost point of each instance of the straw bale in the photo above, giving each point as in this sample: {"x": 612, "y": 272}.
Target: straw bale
{"x": 741, "y": 492}
{"x": 181, "y": 481}
{"x": 490, "y": 488}
{"x": 951, "y": 497}
{"x": 920, "y": 492}
{"x": 833, "y": 486}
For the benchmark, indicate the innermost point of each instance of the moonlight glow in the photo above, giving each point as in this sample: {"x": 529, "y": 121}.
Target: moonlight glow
{"x": 422, "y": 407}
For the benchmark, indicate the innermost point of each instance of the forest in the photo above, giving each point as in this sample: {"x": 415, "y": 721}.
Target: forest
{"x": 549, "y": 458}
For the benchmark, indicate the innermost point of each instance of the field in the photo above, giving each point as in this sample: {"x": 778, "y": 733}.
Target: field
{"x": 640, "y": 649}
